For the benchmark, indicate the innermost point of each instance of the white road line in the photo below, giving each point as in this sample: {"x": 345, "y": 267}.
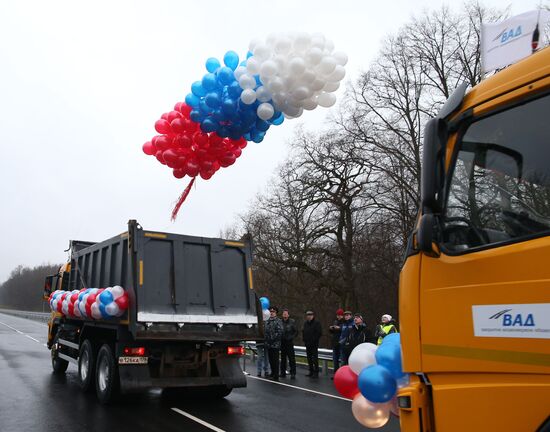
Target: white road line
{"x": 300, "y": 388}
{"x": 20, "y": 332}
{"x": 198, "y": 420}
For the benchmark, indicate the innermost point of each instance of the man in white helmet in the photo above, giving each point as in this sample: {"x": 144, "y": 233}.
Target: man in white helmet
{"x": 386, "y": 326}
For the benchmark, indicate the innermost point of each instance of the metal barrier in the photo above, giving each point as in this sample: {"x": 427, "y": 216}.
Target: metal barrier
{"x": 36, "y": 316}
{"x": 325, "y": 355}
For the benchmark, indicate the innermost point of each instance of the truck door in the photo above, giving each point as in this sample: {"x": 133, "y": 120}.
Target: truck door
{"x": 485, "y": 300}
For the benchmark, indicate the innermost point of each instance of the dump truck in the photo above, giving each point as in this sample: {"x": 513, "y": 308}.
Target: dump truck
{"x": 474, "y": 294}
{"x": 190, "y": 306}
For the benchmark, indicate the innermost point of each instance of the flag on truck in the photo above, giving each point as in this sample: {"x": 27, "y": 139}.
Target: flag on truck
{"x": 511, "y": 40}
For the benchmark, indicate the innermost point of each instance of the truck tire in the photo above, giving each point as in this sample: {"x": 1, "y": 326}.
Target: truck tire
{"x": 86, "y": 366}
{"x": 59, "y": 365}
{"x": 107, "y": 381}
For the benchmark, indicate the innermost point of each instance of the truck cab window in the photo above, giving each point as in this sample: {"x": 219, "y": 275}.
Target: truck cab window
{"x": 500, "y": 188}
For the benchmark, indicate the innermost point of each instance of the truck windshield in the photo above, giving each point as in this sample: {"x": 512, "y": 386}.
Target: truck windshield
{"x": 500, "y": 187}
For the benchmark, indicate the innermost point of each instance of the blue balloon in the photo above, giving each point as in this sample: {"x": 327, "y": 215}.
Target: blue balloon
{"x": 235, "y": 134}
{"x": 258, "y": 81}
{"x": 103, "y": 312}
{"x": 197, "y": 89}
{"x": 106, "y": 297}
{"x": 218, "y": 115}
{"x": 377, "y": 384}
{"x": 249, "y": 54}
{"x": 209, "y": 82}
{"x": 262, "y": 125}
{"x": 265, "y": 302}
{"x": 192, "y": 100}
{"x": 196, "y": 116}
{"x": 212, "y": 64}
{"x": 225, "y": 75}
{"x": 389, "y": 356}
{"x": 234, "y": 90}
{"x": 276, "y": 121}
{"x": 209, "y": 125}
{"x": 243, "y": 63}
{"x": 223, "y": 131}
{"x": 229, "y": 106}
{"x": 392, "y": 338}
{"x": 247, "y": 136}
{"x": 231, "y": 59}
{"x": 204, "y": 108}
{"x": 213, "y": 100}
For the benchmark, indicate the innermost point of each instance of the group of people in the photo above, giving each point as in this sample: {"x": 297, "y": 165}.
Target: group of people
{"x": 279, "y": 335}
{"x": 348, "y": 330}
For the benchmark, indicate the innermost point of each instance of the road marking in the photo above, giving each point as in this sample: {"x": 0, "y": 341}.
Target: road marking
{"x": 300, "y": 388}
{"x": 20, "y": 332}
{"x": 198, "y": 420}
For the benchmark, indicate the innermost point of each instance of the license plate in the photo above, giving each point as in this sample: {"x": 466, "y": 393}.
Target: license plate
{"x": 132, "y": 360}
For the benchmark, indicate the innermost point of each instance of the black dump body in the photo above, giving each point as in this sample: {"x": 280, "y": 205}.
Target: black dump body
{"x": 180, "y": 287}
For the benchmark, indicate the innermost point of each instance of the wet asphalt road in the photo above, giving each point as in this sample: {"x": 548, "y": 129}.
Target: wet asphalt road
{"x": 33, "y": 399}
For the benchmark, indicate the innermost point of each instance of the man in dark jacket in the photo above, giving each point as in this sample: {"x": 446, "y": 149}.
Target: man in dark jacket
{"x": 357, "y": 335}
{"x": 311, "y": 334}
{"x": 336, "y": 329}
{"x": 273, "y": 336}
{"x": 346, "y": 328}
{"x": 287, "y": 345}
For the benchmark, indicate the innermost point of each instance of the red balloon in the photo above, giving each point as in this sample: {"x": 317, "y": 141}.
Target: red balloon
{"x": 178, "y": 106}
{"x": 237, "y": 152}
{"x": 216, "y": 141}
{"x": 206, "y": 175}
{"x": 177, "y": 125}
{"x": 183, "y": 140}
{"x": 91, "y": 298}
{"x": 160, "y": 158}
{"x": 59, "y": 306}
{"x": 185, "y": 110}
{"x": 70, "y": 309}
{"x": 162, "y": 126}
{"x": 164, "y": 116}
{"x": 149, "y": 149}
{"x": 201, "y": 139}
{"x": 170, "y": 156}
{"x": 122, "y": 301}
{"x": 192, "y": 168}
{"x": 172, "y": 115}
{"x": 163, "y": 142}
{"x": 74, "y": 297}
{"x": 345, "y": 381}
{"x": 88, "y": 308}
{"x": 178, "y": 173}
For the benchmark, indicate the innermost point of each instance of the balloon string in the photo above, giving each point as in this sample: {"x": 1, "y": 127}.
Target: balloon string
{"x": 181, "y": 199}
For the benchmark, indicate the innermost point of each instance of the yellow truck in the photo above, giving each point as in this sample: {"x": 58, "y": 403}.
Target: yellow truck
{"x": 474, "y": 294}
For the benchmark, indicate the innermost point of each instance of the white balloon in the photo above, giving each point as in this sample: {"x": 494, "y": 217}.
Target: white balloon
{"x": 271, "y": 39}
{"x": 297, "y": 66}
{"x": 318, "y": 84}
{"x": 338, "y": 74}
{"x": 268, "y": 68}
{"x": 283, "y": 45}
{"x": 77, "y": 308}
{"x": 261, "y": 52}
{"x": 301, "y": 93}
{"x": 327, "y": 65}
{"x": 309, "y": 104}
{"x": 331, "y": 87}
{"x": 329, "y": 45}
{"x": 340, "y": 57}
{"x": 248, "y": 96}
{"x": 314, "y": 56}
{"x": 112, "y": 309}
{"x": 275, "y": 85}
{"x": 318, "y": 40}
{"x": 239, "y": 72}
{"x": 326, "y": 99}
{"x": 302, "y": 42}
{"x": 263, "y": 94}
{"x": 117, "y": 291}
{"x": 293, "y": 111}
{"x": 265, "y": 314}
{"x": 307, "y": 77}
{"x": 362, "y": 356}
{"x": 253, "y": 43}
{"x": 247, "y": 81}
{"x": 253, "y": 66}
{"x": 265, "y": 111}
{"x": 369, "y": 414}
{"x": 96, "y": 313}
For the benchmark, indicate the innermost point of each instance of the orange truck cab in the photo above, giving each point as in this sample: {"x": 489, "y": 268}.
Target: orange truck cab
{"x": 474, "y": 295}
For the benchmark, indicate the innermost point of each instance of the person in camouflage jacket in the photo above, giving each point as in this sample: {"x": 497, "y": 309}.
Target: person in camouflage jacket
{"x": 273, "y": 336}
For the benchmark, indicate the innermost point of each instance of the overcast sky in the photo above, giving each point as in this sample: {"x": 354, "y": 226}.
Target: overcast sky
{"x": 82, "y": 83}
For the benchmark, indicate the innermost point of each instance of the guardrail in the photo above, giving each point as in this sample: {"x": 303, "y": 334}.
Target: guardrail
{"x": 36, "y": 316}
{"x": 325, "y": 355}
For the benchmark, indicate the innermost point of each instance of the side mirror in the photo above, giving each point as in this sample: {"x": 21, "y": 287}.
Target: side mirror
{"x": 425, "y": 234}
{"x": 433, "y": 165}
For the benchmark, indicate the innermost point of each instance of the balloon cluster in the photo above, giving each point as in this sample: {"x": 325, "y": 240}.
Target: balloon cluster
{"x": 189, "y": 151}
{"x": 371, "y": 379}
{"x": 297, "y": 71}
{"x": 95, "y": 303}
{"x": 264, "y": 301}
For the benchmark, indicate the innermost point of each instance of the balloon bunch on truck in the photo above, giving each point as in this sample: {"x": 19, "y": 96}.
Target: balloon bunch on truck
{"x": 174, "y": 314}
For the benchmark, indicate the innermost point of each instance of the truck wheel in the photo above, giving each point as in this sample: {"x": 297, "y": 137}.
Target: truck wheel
{"x": 59, "y": 365}
{"x": 107, "y": 381}
{"x": 86, "y": 366}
